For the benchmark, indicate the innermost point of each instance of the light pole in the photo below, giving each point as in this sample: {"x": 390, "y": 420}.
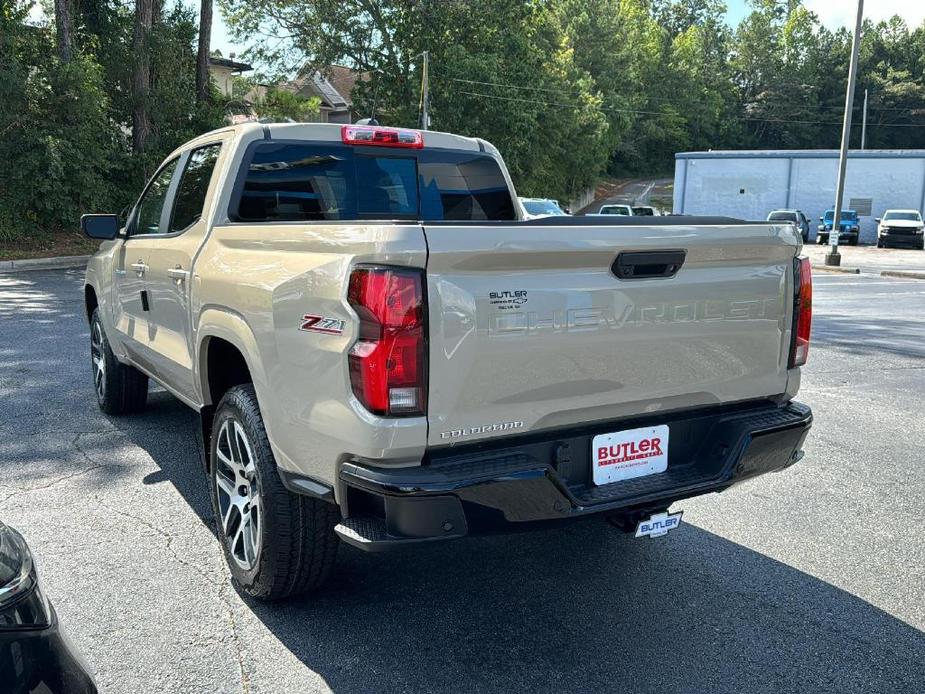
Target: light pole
{"x": 424, "y": 109}
{"x": 864, "y": 123}
{"x": 834, "y": 257}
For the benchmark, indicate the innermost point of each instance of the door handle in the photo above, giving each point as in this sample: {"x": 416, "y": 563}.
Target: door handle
{"x": 120, "y": 273}
{"x": 139, "y": 267}
{"x": 178, "y": 273}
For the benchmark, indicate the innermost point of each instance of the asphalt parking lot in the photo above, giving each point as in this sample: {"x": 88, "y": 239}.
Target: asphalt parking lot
{"x": 812, "y": 580}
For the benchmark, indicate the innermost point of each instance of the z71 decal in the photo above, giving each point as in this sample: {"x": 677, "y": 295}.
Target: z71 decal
{"x": 320, "y": 324}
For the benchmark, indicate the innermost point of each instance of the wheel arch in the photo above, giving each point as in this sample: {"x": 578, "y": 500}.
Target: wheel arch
{"x": 222, "y": 333}
{"x": 224, "y": 337}
{"x": 91, "y": 301}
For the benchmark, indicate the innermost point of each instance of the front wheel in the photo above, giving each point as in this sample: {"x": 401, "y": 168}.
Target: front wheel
{"x": 277, "y": 544}
{"x": 120, "y": 388}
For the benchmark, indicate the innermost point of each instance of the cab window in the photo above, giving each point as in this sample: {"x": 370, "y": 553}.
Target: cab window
{"x": 151, "y": 205}
{"x": 191, "y": 193}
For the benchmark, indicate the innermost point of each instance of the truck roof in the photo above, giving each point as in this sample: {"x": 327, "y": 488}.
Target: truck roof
{"x": 332, "y": 132}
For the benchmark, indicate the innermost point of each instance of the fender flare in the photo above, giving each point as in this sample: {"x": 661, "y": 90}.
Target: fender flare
{"x": 230, "y": 326}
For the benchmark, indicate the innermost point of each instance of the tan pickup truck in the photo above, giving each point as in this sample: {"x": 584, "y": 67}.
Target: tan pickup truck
{"x": 382, "y": 352}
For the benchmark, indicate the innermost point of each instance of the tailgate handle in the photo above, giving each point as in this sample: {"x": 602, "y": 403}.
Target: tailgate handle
{"x": 636, "y": 265}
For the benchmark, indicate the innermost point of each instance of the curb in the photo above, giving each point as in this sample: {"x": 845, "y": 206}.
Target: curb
{"x": 59, "y": 263}
{"x": 832, "y": 268}
{"x": 906, "y": 274}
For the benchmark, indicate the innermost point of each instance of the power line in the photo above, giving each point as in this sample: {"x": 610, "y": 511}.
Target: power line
{"x": 646, "y": 97}
{"x": 667, "y": 115}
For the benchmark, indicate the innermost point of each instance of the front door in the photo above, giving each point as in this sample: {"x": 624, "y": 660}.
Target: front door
{"x": 169, "y": 273}
{"x": 131, "y": 308}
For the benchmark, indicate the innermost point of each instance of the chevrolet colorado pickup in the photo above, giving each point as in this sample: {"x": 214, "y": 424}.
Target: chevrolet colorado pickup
{"x": 381, "y": 352}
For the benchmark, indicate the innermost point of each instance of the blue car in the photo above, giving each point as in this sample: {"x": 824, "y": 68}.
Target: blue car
{"x": 848, "y": 227}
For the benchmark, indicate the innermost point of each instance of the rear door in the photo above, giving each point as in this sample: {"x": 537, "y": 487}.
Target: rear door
{"x": 169, "y": 274}
{"x": 530, "y": 327}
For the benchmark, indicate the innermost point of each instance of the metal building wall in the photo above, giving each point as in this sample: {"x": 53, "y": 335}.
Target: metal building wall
{"x": 750, "y": 184}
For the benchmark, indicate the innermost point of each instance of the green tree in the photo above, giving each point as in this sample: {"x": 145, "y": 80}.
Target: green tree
{"x": 521, "y": 89}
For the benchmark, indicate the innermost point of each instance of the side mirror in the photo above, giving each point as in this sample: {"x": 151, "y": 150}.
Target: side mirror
{"x": 103, "y": 227}
{"x": 877, "y": 219}
{"x": 820, "y": 219}
{"x": 820, "y": 228}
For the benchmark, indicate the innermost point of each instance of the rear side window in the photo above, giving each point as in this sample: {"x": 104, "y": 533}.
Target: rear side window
{"x": 191, "y": 194}
{"x": 303, "y": 181}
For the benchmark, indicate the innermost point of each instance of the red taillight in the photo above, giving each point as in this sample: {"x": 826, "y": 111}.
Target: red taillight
{"x": 388, "y": 363}
{"x": 802, "y": 312}
{"x": 383, "y": 137}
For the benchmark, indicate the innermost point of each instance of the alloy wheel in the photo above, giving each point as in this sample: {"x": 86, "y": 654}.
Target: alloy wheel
{"x": 98, "y": 358}
{"x": 238, "y": 492}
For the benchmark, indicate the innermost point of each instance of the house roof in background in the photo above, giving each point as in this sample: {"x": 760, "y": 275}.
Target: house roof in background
{"x": 229, "y": 63}
{"x": 333, "y": 84}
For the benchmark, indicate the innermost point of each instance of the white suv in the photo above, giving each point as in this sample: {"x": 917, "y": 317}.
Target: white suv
{"x": 901, "y": 228}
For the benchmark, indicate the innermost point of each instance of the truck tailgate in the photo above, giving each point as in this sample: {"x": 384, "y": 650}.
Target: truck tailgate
{"x": 531, "y": 328}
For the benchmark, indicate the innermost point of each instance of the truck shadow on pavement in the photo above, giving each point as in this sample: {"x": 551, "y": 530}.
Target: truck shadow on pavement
{"x": 579, "y": 608}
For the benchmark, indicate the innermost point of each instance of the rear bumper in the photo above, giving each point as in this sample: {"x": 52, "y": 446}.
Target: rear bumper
{"x": 530, "y": 480}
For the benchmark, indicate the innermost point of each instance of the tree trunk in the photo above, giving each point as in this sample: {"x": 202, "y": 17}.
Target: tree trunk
{"x": 202, "y": 57}
{"x": 141, "y": 125}
{"x": 64, "y": 29}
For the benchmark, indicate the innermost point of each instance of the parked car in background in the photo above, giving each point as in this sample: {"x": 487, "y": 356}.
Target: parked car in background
{"x": 535, "y": 208}
{"x": 795, "y": 216}
{"x": 34, "y": 654}
{"x": 848, "y": 225}
{"x": 901, "y": 228}
{"x": 622, "y": 210}
{"x": 645, "y": 211}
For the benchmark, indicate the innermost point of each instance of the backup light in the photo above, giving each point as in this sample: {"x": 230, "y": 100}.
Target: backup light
{"x": 381, "y": 136}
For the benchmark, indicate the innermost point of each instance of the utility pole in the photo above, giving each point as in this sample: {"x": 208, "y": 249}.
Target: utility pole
{"x": 833, "y": 257}
{"x": 425, "y": 93}
{"x": 864, "y": 123}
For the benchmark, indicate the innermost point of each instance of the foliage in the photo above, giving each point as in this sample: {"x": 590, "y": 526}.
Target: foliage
{"x": 64, "y": 126}
{"x": 566, "y": 89}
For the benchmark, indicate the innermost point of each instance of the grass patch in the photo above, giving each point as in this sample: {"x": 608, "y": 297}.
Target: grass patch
{"x": 47, "y": 244}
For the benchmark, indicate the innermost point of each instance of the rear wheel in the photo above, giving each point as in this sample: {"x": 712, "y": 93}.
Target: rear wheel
{"x": 853, "y": 241}
{"x": 120, "y": 388}
{"x": 277, "y": 544}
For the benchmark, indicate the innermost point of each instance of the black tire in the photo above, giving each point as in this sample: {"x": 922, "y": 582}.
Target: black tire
{"x": 853, "y": 241}
{"x": 880, "y": 244}
{"x": 297, "y": 545}
{"x": 820, "y": 241}
{"x": 120, "y": 388}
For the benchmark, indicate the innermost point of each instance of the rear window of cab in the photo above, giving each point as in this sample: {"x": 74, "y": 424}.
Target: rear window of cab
{"x": 306, "y": 181}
